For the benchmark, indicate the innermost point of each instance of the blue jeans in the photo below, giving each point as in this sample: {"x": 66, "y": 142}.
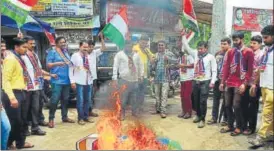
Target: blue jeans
{"x": 83, "y": 100}
{"x": 5, "y": 129}
{"x": 58, "y": 91}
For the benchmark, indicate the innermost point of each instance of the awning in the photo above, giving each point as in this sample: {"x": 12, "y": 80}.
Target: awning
{"x": 30, "y": 25}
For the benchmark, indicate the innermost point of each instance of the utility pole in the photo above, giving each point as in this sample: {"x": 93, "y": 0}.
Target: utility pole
{"x": 217, "y": 25}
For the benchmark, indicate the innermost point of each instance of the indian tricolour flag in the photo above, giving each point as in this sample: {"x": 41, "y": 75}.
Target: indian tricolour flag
{"x": 189, "y": 19}
{"x": 117, "y": 29}
{"x": 18, "y": 10}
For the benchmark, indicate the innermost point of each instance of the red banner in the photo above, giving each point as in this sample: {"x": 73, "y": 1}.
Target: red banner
{"x": 145, "y": 18}
{"x": 250, "y": 19}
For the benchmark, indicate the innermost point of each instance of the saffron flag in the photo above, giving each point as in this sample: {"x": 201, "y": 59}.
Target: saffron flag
{"x": 117, "y": 29}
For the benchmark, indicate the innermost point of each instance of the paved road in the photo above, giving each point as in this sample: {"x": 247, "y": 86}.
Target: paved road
{"x": 64, "y": 136}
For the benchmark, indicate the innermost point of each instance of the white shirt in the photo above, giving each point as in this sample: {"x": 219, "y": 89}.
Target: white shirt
{"x": 121, "y": 65}
{"x": 266, "y": 77}
{"x": 209, "y": 63}
{"x": 189, "y": 71}
{"x": 31, "y": 70}
{"x": 77, "y": 73}
{"x": 93, "y": 63}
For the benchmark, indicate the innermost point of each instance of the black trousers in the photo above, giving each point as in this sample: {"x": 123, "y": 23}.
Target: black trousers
{"x": 233, "y": 101}
{"x": 250, "y": 106}
{"x": 42, "y": 100}
{"x": 217, "y": 95}
{"x": 201, "y": 92}
{"x": 15, "y": 118}
{"x": 31, "y": 109}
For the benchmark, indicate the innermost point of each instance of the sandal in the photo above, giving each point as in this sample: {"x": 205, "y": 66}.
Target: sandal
{"x": 211, "y": 122}
{"x": 236, "y": 132}
{"x": 28, "y": 145}
{"x": 247, "y": 132}
{"x": 226, "y": 130}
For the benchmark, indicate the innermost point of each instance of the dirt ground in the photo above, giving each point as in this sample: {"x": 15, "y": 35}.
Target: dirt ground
{"x": 65, "y": 136}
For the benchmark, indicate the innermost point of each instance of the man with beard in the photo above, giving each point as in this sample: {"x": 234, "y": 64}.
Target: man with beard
{"x": 265, "y": 77}
{"x": 237, "y": 72}
{"x": 32, "y": 104}
{"x": 205, "y": 75}
{"x": 217, "y": 94}
{"x": 15, "y": 77}
{"x": 58, "y": 61}
{"x": 128, "y": 65}
{"x": 251, "y": 103}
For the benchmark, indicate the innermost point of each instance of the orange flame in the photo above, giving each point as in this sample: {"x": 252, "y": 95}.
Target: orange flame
{"x": 109, "y": 128}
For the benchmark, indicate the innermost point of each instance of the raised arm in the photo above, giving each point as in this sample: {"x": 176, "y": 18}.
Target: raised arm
{"x": 186, "y": 46}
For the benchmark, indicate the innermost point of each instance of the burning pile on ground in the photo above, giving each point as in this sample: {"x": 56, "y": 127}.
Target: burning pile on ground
{"x": 111, "y": 136}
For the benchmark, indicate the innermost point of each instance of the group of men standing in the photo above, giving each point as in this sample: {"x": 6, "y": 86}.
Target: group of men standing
{"x": 240, "y": 74}
{"x": 23, "y": 82}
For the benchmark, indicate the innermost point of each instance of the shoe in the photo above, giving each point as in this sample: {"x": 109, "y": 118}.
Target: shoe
{"x": 43, "y": 123}
{"x": 68, "y": 120}
{"x": 224, "y": 123}
{"x": 257, "y": 142}
{"x": 163, "y": 115}
{"x": 92, "y": 114}
{"x": 211, "y": 122}
{"x": 81, "y": 122}
{"x": 51, "y": 124}
{"x": 226, "y": 130}
{"x": 247, "y": 132}
{"x": 154, "y": 112}
{"x": 270, "y": 138}
{"x": 181, "y": 115}
{"x": 27, "y": 133}
{"x": 201, "y": 124}
{"x": 38, "y": 132}
{"x": 196, "y": 119}
{"x": 89, "y": 120}
{"x": 187, "y": 116}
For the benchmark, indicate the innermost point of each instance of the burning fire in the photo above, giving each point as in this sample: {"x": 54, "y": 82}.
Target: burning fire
{"x": 109, "y": 128}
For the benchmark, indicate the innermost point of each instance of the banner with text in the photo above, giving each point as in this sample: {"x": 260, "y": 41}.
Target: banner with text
{"x": 250, "y": 19}
{"x": 64, "y": 8}
{"x": 70, "y": 23}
